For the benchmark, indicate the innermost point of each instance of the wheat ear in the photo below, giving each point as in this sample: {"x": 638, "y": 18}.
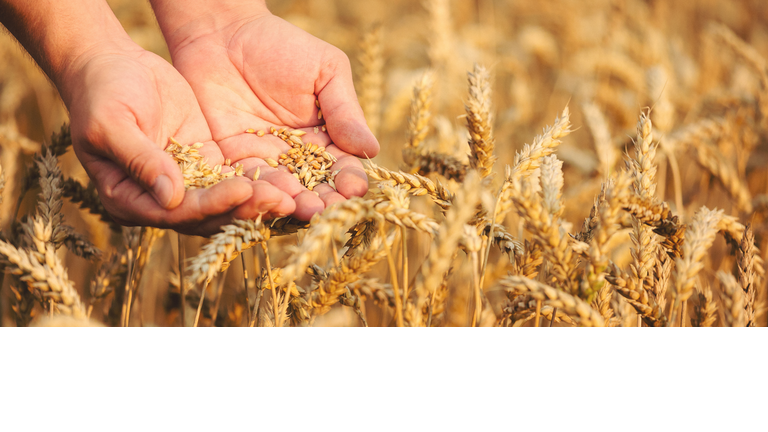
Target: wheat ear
{"x": 545, "y": 144}
{"x": 226, "y": 246}
{"x": 706, "y": 310}
{"x": 416, "y": 185}
{"x": 698, "y": 239}
{"x": 480, "y": 122}
{"x": 50, "y": 203}
{"x": 418, "y": 123}
{"x": 750, "y": 270}
{"x": 88, "y": 198}
{"x": 732, "y": 297}
{"x": 569, "y": 304}
{"x": 643, "y": 169}
{"x": 44, "y": 274}
{"x": 601, "y": 136}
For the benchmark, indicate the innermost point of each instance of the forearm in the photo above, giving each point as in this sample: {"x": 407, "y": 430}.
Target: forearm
{"x": 182, "y": 21}
{"x": 58, "y": 32}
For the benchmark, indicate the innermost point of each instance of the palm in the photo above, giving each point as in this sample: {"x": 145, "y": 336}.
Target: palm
{"x": 267, "y": 73}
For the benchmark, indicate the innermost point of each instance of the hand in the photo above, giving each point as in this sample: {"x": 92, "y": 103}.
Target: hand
{"x": 258, "y": 71}
{"x": 124, "y": 104}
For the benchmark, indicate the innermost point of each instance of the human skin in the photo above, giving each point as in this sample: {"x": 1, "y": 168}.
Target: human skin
{"x": 251, "y": 69}
{"x": 124, "y": 104}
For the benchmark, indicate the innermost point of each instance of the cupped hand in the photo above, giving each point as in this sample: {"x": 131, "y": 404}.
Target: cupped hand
{"x": 260, "y": 72}
{"x": 124, "y": 105}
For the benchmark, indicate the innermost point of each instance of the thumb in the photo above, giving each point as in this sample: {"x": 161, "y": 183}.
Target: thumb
{"x": 343, "y": 115}
{"x": 150, "y": 166}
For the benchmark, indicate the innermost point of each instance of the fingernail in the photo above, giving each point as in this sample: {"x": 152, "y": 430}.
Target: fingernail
{"x": 163, "y": 190}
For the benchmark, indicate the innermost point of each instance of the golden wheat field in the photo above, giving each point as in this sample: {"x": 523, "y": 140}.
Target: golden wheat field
{"x": 554, "y": 163}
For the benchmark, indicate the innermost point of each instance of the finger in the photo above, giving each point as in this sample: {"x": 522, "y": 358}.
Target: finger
{"x": 351, "y": 179}
{"x": 128, "y": 202}
{"x": 342, "y": 112}
{"x": 267, "y": 199}
{"x": 351, "y": 182}
{"x": 279, "y": 177}
{"x": 307, "y": 205}
{"x": 328, "y": 194}
{"x": 146, "y": 163}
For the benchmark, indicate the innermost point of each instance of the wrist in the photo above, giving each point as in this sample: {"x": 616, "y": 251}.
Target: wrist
{"x": 56, "y": 33}
{"x": 185, "y": 22}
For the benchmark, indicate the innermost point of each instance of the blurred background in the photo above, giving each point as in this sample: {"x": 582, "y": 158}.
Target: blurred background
{"x": 614, "y": 56}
